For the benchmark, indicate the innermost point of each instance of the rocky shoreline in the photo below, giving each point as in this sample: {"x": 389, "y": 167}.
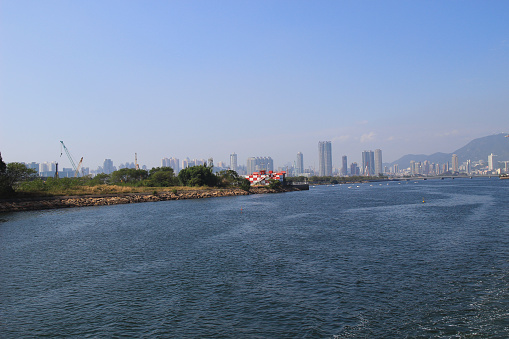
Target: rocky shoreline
{"x": 43, "y": 203}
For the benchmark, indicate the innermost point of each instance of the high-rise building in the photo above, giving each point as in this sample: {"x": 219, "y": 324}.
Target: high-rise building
{"x": 417, "y": 168}
{"x": 354, "y": 169}
{"x": 255, "y": 164}
{"x": 187, "y": 163}
{"x": 233, "y": 162}
{"x": 491, "y": 162}
{"x": 455, "y": 165}
{"x": 108, "y": 167}
{"x": 324, "y": 158}
{"x": 171, "y": 162}
{"x": 344, "y": 165}
{"x": 378, "y": 162}
{"x": 426, "y": 167}
{"x": 368, "y": 163}
{"x": 445, "y": 167}
{"x": 175, "y": 164}
{"x": 299, "y": 168}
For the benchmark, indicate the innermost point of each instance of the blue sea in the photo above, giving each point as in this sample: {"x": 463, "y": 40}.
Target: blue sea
{"x": 410, "y": 259}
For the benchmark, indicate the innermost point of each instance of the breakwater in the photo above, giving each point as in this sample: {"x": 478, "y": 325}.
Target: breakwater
{"x": 42, "y": 203}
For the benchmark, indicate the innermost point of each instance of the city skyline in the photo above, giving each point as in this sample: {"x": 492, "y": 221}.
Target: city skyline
{"x": 178, "y": 79}
{"x": 372, "y": 163}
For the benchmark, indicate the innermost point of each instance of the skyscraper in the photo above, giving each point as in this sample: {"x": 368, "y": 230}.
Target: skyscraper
{"x": 233, "y": 162}
{"x": 368, "y": 163}
{"x": 491, "y": 162}
{"x": 455, "y": 165}
{"x": 171, "y": 162}
{"x": 344, "y": 165}
{"x": 108, "y": 167}
{"x": 324, "y": 158}
{"x": 300, "y": 164}
{"x": 378, "y": 162}
{"x": 354, "y": 169}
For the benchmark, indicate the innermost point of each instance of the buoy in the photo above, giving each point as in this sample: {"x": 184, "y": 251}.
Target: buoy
{"x": 422, "y": 199}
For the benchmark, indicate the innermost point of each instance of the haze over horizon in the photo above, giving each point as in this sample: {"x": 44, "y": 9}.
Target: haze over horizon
{"x": 206, "y": 79}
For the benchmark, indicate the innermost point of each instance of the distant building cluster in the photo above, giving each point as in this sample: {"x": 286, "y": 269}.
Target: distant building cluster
{"x": 256, "y": 164}
{"x": 371, "y": 165}
{"x": 48, "y": 169}
{"x": 468, "y": 167}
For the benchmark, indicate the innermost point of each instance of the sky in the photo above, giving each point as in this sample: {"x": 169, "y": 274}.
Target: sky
{"x": 203, "y": 79}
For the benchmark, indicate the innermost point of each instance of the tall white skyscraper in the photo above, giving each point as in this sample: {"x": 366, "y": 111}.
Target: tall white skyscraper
{"x": 324, "y": 158}
{"x": 233, "y": 162}
{"x": 300, "y": 164}
{"x": 491, "y": 162}
{"x": 378, "y": 162}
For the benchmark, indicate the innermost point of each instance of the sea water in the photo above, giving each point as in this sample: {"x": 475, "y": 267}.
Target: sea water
{"x": 399, "y": 259}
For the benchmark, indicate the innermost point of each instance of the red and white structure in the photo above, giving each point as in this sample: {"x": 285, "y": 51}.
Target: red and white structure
{"x": 263, "y": 178}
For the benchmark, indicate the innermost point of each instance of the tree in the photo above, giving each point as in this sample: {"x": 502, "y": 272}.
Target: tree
{"x": 18, "y": 172}
{"x": 198, "y": 176}
{"x": 12, "y": 175}
{"x": 6, "y": 189}
{"x": 162, "y": 177}
{"x": 3, "y": 166}
{"x": 228, "y": 178}
{"x": 100, "y": 179}
{"x": 128, "y": 175}
{"x": 275, "y": 184}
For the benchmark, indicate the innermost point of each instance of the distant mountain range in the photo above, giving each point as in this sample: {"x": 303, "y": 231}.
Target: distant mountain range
{"x": 475, "y": 150}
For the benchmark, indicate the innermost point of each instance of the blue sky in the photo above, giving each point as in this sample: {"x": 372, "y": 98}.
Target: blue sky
{"x": 260, "y": 78}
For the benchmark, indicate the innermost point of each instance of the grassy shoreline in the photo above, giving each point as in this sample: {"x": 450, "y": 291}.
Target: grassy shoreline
{"x": 31, "y": 203}
{"x": 103, "y": 190}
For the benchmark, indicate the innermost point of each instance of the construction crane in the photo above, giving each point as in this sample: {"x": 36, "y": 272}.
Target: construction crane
{"x": 76, "y": 168}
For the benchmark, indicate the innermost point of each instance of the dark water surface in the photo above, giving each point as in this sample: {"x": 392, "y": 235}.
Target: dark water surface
{"x": 345, "y": 261}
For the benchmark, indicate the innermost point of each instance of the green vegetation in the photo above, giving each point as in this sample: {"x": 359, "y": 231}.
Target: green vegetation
{"x": 5, "y": 186}
{"x": 17, "y": 180}
{"x": 275, "y": 184}
{"x": 228, "y": 178}
{"x": 198, "y": 176}
{"x": 12, "y": 176}
{"x": 162, "y": 177}
{"x": 128, "y": 176}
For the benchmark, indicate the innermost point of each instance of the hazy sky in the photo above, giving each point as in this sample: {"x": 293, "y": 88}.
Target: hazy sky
{"x": 260, "y": 78}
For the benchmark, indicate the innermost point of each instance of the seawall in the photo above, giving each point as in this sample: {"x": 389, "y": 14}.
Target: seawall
{"x": 42, "y": 203}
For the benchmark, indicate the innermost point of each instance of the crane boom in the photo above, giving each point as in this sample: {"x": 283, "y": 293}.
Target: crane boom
{"x": 70, "y": 158}
{"x": 78, "y": 168}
